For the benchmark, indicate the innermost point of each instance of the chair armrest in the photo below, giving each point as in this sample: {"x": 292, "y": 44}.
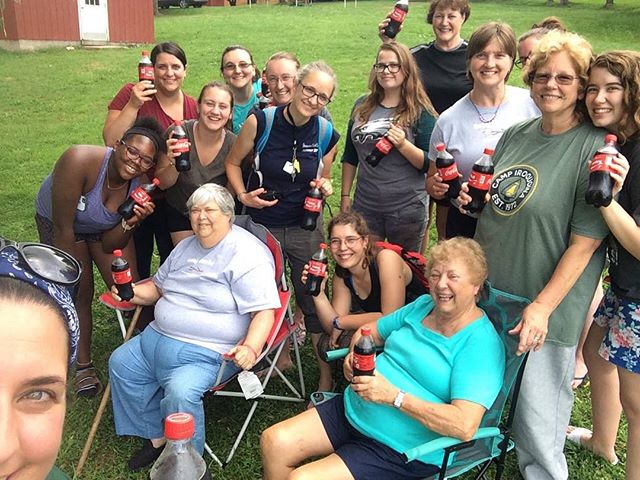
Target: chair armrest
{"x": 107, "y": 300}
{"x": 336, "y": 354}
{"x": 445, "y": 442}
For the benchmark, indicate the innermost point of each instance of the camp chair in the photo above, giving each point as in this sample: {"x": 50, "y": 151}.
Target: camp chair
{"x": 492, "y": 441}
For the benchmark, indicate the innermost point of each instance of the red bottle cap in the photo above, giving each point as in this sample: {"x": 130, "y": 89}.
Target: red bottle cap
{"x": 488, "y": 151}
{"x": 179, "y": 426}
{"x": 117, "y": 253}
{"x": 440, "y": 147}
{"x": 155, "y": 181}
{"x": 610, "y": 138}
{"x": 323, "y": 246}
{"x": 365, "y": 331}
{"x": 145, "y": 53}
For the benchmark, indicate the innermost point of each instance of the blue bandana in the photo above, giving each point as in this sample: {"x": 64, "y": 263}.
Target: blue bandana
{"x": 12, "y": 266}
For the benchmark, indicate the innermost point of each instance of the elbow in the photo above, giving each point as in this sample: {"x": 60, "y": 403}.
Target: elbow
{"x": 467, "y": 430}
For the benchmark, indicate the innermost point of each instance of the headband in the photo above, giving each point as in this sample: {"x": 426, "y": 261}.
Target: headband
{"x": 150, "y": 134}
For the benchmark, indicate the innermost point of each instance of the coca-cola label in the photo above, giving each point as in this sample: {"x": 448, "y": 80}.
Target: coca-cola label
{"x": 481, "y": 181}
{"x": 120, "y": 278}
{"x": 601, "y": 163}
{"x": 145, "y": 72}
{"x": 318, "y": 269}
{"x": 140, "y": 196}
{"x": 398, "y": 15}
{"x": 448, "y": 173}
{"x": 312, "y": 204}
{"x": 384, "y": 145}
{"x": 364, "y": 362}
{"x": 182, "y": 145}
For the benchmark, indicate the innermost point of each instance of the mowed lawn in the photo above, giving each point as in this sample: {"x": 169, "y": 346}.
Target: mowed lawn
{"x": 52, "y": 99}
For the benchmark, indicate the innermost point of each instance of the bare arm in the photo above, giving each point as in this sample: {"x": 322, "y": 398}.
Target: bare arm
{"x": 245, "y": 354}
{"x": 144, "y": 293}
{"x": 414, "y": 155}
{"x": 348, "y": 175}
{"x": 118, "y": 121}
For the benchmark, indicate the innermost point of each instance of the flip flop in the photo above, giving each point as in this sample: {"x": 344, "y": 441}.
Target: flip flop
{"x": 575, "y": 435}
{"x": 579, "y": 382}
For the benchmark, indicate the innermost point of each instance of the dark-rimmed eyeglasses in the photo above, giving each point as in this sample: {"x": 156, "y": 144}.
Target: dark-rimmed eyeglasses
{"x": 561, "y": 78}
{"x": 391, "y": 67}
{"x": 47, "y": 262}
{"x": 134, "y": 155}
{"x": 349, "y": 242}
{"x": 522, "y": 62}
{"x": 310, "y": 93}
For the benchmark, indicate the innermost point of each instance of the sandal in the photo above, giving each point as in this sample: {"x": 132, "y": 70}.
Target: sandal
{"x": 575, "y": 436}
{"x": 87, "y": 382}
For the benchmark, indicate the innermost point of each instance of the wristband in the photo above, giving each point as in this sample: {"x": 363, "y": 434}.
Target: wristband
{"x": 397, "y": 402}
{"x": 336, "y": 323}
{"x": 125, "y": 226}
{"x": 251, "y": 348}
{"x": 240, "y": 193}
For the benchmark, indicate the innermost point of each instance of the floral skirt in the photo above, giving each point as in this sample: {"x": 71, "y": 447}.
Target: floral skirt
{"x": 621, "y": 344}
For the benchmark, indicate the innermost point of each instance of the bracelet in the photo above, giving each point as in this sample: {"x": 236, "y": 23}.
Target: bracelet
{"x": 255, "y": 355}
{"x": 241, "y": 193}
{"x": 125, "y": 226}
{"x": 345, "y": 195}
{"x": 336, "y": 323}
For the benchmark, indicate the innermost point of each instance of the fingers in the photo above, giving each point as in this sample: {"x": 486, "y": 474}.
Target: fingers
{"x": 396, "y": 136}
{"x": 114, "y": 293}
{"x": 305, "y": 274}
{"x": 436, "y": 188}
{"x": 252, "y": 199}
{"x": 324, "y": 185}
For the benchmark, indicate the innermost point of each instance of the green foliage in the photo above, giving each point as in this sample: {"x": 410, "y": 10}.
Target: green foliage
{"x": 52, "y": 99}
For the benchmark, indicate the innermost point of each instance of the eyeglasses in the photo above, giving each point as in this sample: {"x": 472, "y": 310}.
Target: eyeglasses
{"x": 231, "y": 67}
{"x": 522, "y": 62}
{"x": 561, "y": 79}
{"x": 310, "y": 93}
{"x": 47, "y": 262}
{"x": 381, "y": 67}
{"x": 273, "y": 80}
{"x": 349, "y": 242}
{"x": 134, "y": 155}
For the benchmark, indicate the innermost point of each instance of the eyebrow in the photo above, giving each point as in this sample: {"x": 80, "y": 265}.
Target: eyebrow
{"x": 40, "y": 381}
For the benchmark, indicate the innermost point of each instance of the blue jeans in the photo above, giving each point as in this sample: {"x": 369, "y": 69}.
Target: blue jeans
{"x": 153, "y": 376}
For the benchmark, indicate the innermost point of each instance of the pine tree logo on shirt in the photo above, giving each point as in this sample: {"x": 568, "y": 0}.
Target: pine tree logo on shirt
{"x": 511, "y": 188}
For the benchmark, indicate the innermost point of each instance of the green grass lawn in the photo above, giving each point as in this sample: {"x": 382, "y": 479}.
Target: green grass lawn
{"x": 52, "y": 99}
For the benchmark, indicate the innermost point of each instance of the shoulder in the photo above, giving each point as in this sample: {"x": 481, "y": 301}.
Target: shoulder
{"x": 422, "y": 49}
{"x": 453, "y": 113}
{"x": 81, "y": 156}
{"x": 121, "y": 98}
{"x": 483, "y": 336}
{"x": 188, "y": 99}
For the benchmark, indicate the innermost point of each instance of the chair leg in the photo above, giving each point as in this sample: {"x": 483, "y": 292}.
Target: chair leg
{"x": 123, "y": 330}
{"x": 242, "y": 431}
{"x": 215, "y": 458}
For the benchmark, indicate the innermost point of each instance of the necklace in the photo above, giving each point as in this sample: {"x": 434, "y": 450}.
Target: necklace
{"x": 481, "y": 117}
{"x": 109, "y": 187}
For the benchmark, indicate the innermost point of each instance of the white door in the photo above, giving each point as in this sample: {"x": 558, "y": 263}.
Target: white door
{"x": 94, "y": 20}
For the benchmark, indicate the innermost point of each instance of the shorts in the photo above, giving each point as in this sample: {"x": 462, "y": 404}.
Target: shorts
{"x": 45, "y": 232}
{"x": 621, "y": 317}
{"x": 176, "y": 221}
{"x": 365, "y": 457}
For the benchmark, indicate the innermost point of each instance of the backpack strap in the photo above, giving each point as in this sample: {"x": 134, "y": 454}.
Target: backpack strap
{"x": 325, "y": 134}
{"x": 269, "y": 115}
{"x": 415, "y": 260}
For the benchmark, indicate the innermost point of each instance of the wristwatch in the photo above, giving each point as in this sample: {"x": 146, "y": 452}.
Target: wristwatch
{"x": 398, "y": 400}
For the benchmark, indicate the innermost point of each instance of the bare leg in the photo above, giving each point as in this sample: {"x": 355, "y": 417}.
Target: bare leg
{"x": 329, "y": 467}
{"x": 441, "y": 221}
{"x": 292, "y": 441}
{"x": 83, "y": 301}
{"x": 629, "y": 388}
{"x": 325, "y": 382}
{"x": 581, "y": 366}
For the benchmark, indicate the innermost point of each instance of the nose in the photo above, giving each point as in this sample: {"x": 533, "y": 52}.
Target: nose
{"x": 442, "y": 282}
{"x": 600, "y": 96}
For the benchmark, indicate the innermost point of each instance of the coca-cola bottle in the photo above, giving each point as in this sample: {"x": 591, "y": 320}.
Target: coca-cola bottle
{"x": 139, "y": 196}
{"x": 317, "y": 271}
{"x": 479, "y": 182}
{"x": 121, "y": 274}
{"x": 145, "y": 70}
{"x": 263, "y": 96}
{"x": 380, "y": 150}
{"x": 183, "y": 163}
{"x": 447, "y": 170}
{"x": 396, "y": 18}
{"x": 600, "y": 190}
{"x": 364, "y": 354}
{"x": 179, "y": 460}
{"x": 312, "y": 208}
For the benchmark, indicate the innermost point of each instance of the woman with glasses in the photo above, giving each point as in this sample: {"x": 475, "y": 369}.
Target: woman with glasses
{"x": 478, "y": 119}
{"x": 291, "y": 162}
{"x": 76, "y": 211}
{"x": 528, "y": 40}
{"x": 368, "y": 280}
{"x": 239, "y": 72}
{"x": 542, "y": 242}
{"x": 612, "y": 349}
{"x": 390, "y": 195}
{"x": 211, "y": 138}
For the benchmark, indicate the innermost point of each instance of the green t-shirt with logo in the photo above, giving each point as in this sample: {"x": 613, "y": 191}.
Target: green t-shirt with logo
{"x": 57, "y": 474}
{"x": 537, "y": 201}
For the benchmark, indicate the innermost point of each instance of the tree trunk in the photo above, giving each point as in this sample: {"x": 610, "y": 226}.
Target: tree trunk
{"x": 608, "y": 3}
{"x": 156, "y": 11}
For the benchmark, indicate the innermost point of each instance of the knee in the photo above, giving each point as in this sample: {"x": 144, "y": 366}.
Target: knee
{"x": 273, "y": 441}
{"x": 116, "y": 361}
{"x": 631, "y": 405}
{"x": 181, "y": 392}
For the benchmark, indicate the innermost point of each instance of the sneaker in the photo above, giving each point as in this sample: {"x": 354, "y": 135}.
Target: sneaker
{"x": 145, "y": 456}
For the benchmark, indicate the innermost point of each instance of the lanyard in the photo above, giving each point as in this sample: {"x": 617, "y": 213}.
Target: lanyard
{"x": 295, "y": 163}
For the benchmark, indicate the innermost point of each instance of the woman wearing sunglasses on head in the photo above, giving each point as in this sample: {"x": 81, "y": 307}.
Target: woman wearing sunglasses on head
{"x": 76, "y": 211}
{"x": 390, "y": 195}
{"x": 38, "y": 344}
{"x": 296, "y": 156}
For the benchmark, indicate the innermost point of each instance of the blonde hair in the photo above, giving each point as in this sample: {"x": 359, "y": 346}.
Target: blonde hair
{"x": 461, "y": 248}
{"x": 318, "y": 66}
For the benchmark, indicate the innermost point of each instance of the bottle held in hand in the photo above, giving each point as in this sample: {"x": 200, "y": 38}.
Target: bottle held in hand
{"x": 364, "y": 354}
{"x": 263, "y": 95}
{"x": 480, "y": 182}
{"x": 139, "y": 196}
{"x": 317, "y": 271}
{"x": 121, "y": 274}
{"x": 381, "y": 149}
{"x": 396, "y": 18}
{"x": 448, "y": 170}
{"x": 145, "y": 70}
{"x": 600, "y": 190}
{"x": 183, "y": 163}
{"x": 312, "y": 208}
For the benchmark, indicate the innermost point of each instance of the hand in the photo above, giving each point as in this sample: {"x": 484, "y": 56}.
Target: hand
{"x": 171, "y": 146}
{"x": 463, "y": 197}
{"x": 116, "y": 297}
{"x": 347, "y": 369}
{"x": 532, "y": 328}
{"x": 253, "y": 200}
{"x": 619, "y": 171}
{"x": 345, "y": 204}
{"x": 396, "y": 136}
{"x": 324, "y": 185}
{"x": 243, "y": 356}
{"x": 140, "y": 212}
{"x": 141, "y": 94}
{"x": 382, "y": 25}
{"x": 374, "y": 388}
{"x": 305, "y": 275}
{"x": 436, "y": 187}
{"x": 334, "y": 337}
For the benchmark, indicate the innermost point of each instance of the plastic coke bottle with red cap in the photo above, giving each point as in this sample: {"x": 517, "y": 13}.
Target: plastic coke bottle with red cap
{"x": 396, "y": 18}
{"x": 183, "y": 163}
{"x": 139, "y": 196}
{"x": 447, "y": 170}
{"x": 179, "y": 460}
{"x": 145, "y": 70}
{"x": 312, "y": 208}
{"x": 480, "y": 181}
{"x": 364, "y": 354}
{"x": 317, "y": 271}
{"x": 600, "y": 190}
{"x": 263, "y": 95}
{"x": 381, "y": 149}
{"x": 121, "y": 274}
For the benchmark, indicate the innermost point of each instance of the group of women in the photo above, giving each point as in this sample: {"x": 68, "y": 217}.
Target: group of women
{"x": 541, "y": 240}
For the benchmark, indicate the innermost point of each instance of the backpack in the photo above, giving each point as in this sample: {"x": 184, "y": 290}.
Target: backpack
{"x": 415, "y": 260}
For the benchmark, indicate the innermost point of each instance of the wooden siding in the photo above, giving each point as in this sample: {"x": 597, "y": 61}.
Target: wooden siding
{"x": 131, "y": 21}
{"x": 41, "y": 20}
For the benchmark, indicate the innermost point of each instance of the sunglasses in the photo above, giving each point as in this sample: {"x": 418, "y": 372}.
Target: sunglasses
{"x": 47, "y": 262}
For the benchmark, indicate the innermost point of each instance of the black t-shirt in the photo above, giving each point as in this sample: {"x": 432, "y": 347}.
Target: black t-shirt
{"x": 624, "y": 268}
{"x": 444, "y": 74}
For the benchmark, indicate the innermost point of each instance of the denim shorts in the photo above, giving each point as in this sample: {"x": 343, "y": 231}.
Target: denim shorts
{"x": 365, "y": 457}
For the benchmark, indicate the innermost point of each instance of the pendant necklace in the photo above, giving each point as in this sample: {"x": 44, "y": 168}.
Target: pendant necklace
{"x": 481, "y": 117}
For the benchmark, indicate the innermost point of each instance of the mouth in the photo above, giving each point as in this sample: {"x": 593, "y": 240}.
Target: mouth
{"x": 130, "y": 169}
{"x": 602, "y": 111}
{"x": 443, "y": 298}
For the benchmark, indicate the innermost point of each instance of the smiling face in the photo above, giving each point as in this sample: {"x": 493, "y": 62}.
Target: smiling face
{"x": 208, "y": 222}
{"x": 347, "y": 246}
{"x": 387, "y": 79}
{"x": 310, "y": 89}
{"x": 452, "y": 287}
{"x": 552, "y": 98}
{"x": 33, "y": 362}
{"x": 214, "y": 108}
{"x": 132, "y": 156}
{"x": 281, "y": 77}
{"x": 446, "y": 26}
{"x": 169, "y": 73}
{"x": 491, "y": 66}
{"x": 238, "y": 69}
{"x": 604, "y": 98}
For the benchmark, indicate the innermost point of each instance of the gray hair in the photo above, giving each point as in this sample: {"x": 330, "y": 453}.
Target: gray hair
{"x": 216, "y": 193}
{"x": 318, "y": 66}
